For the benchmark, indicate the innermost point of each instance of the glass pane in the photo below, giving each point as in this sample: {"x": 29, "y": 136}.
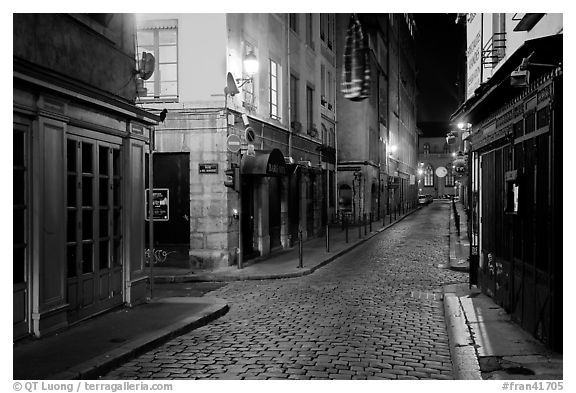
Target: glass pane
{"x": 168, "y": 72}
{"x": 71, "y": 155}
{"x": 71, "y": 191}
{"x": 71, "y": 260}
{"x": 87, "y": 156}
{"x": 19, "y": 187}
{"x": 167, "y": 36}
{"x": 87, "y": 258}
{"x": 87, "y": 191}
{"x": 116, "y": 162}
{"x": 169, "y": 89}
{"x": 103, "y": 223}
{"x": 71, "y": 226}
{"x": 145, "y": 37}
{"x": 103, "y": 192}
{"x": 168, "y": 54}
{"x": 18, "y": 263}
{"x": 19, "y": 226}
{"x": 117, "y": 253}
{"x": 18, "y": 148}
{"x": 117, "y": 222}
{"x": 104, "y": 167}
{"x": 104, "y": 257}
{"x": 87, "y": 225}
{"x": 116, "y": 192}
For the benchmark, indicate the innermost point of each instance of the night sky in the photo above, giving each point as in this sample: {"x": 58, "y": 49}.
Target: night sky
{"x": 441, "y": 45}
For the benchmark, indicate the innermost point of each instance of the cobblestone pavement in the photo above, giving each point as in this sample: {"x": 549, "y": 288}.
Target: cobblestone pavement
{"x": 375, "y": 313}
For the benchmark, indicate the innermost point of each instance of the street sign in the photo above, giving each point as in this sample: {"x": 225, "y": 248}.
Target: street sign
{"x": 208, "y": 168}
{"x": 233, "y": 143}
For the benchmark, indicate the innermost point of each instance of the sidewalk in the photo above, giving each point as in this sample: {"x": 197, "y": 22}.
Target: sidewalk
{"x": 95, "y": 346}
{"x": 484, "y": 342}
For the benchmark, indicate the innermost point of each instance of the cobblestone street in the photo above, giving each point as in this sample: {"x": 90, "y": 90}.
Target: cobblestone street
{"x": 375, "y": 313}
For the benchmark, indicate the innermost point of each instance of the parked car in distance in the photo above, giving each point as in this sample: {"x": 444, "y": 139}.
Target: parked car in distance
{"x": 425, "y": 199}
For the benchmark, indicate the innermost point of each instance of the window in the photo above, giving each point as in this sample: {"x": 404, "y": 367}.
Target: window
{"x": 309, "y": 107}
{"x": 449, "y": 178}
{"x": 293, "y": 22}
{"x": 160, "y": 38}
{"x": 309, "y": 30}
{"x": 248, "y": 88}
{"x": 93, "y": 206}
{"x": 20, "y": 204}
{"x": 323, "y": 83}
{"x": 327, "y": 23}
{"x": 329, "y": 89}
{"x": 446, "y": 148}
{"x": 428, "y": 176}
{"x": 426, "y": 149}
{"x": 274, "y": 95}
{"x": 293, "y": 98}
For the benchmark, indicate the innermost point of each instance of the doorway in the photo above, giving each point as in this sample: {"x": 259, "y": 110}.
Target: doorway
{"x": 93, "y": 226}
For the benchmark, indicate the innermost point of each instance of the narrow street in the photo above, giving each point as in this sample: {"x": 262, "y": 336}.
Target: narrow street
{"x": 375, "y": 313}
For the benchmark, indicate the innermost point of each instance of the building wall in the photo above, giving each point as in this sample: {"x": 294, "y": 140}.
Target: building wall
{"x": 197, "y": 122}
{"x": 80, "y": 146}
{"x": 104, "y": 60}
{"x": 436, "y": 157}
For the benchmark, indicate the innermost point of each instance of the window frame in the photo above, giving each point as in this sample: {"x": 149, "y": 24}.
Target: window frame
{"x": 428, "y": 175}
{"x": 274, "y": 89}
{"x": 158, "y": 82}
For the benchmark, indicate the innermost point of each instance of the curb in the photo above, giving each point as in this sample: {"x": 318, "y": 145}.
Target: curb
{"x": 101, "y": 364}
{"x": 465, "y": 364}
{"x": 304, "y": 272}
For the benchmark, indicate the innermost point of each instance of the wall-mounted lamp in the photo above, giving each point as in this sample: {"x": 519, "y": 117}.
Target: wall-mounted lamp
{"x": 250, "y": 68}
{"x": 464, "y": 126}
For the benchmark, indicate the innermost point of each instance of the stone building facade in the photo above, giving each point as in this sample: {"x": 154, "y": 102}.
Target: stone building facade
{"x": 289, "y": 105}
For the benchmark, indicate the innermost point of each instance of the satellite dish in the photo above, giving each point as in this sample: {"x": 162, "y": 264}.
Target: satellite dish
{"x": 231, "y": 87}
{"x": 147, "y": 65}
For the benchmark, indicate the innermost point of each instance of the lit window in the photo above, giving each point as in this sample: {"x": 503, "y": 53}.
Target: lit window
{"x": 428, "y": 176}
{"x": 274, "y": 94}
{"x": 449, "y": 178}
{"x": 426, "y": 149}
{"x": 160, "y": 38}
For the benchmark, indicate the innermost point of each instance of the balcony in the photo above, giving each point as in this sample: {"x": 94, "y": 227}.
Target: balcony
{"x": 494, "y": 50}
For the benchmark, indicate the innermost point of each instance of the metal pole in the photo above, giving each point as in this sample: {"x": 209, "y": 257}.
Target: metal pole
{"x": 152, "y": 257}
{"x": 327, "y": 238}
{"x": 365, "y": 226}
{"x": 300, "y": 251}
{"x": 240, "y": 213}
{"x": 346, "y": 227}
{"x": 359, "y": 228}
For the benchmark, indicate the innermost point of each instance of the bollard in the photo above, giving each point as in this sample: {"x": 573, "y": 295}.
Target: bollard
{"x": 346, "y": 229}
{"x": 300, "y": 261}
{"x": 365, "y": 227}
{"x": 370, "y": 215}
{"x": 359, "y": 228}
{"x": 327, "y": 238}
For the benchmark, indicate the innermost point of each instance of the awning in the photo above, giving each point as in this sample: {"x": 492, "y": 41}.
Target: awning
{"x": 265, "y": 163}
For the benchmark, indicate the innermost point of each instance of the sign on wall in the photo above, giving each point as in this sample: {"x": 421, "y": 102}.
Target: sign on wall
{"x": 473, "y": 53}
{"x": 208, "y": 168}
{"x": 160, "y": 204}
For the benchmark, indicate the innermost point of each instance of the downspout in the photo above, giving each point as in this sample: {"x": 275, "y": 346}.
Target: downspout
{"x": 287, "y": 28}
